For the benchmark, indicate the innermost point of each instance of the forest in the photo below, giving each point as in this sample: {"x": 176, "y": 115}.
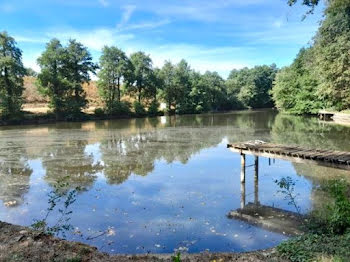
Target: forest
{"x": 64, "y": 70}
{"x": 318, "y": 78}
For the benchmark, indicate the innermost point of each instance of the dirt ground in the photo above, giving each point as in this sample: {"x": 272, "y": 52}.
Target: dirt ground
{"x": 19, "y": 243}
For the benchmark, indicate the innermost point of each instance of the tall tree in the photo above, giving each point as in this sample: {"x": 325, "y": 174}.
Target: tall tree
{"x": 332, "y": 49}
{"x": 115, "y": 68}
{"x": 168, "y": 76}
{"x": 78, "y": 66}
{"x": 216, "y": 90}
{"x": 142, "y": 65}
{"x": 51, "y": 79}
{"x": 12, "y": 72}
{"x": 295, "y": 87}
{"x": 182, "y": 86}
{"x": 252, "y": 86}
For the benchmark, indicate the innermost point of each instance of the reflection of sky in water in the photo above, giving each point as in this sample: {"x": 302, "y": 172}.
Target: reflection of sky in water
{"x": 177, "y": 204}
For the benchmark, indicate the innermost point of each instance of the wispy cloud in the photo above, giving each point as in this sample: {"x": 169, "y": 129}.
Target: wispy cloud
{"x": 126, "y": 15}
{"x": 94, "y": 39}
{"x": 146, "y": 25}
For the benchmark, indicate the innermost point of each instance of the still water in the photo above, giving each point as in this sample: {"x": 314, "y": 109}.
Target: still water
{"x": 161, "y": 184}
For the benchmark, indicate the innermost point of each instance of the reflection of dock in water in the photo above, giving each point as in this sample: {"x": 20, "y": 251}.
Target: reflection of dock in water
{"x": 330, "y": 158}
{"x": 272, "y": 218}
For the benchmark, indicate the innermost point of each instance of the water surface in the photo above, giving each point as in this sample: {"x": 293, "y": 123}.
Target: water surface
{"x": 161, "y": 184}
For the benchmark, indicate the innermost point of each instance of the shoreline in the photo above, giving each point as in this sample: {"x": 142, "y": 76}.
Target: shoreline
{"x": 43, "y": 119}
{"x": 19, "y": 243}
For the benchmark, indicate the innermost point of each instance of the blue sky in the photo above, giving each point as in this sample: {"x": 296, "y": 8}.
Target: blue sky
{"x": 215, "y": 35}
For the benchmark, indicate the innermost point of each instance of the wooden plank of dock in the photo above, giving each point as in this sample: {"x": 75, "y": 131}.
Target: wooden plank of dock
{"x": 329, "y": 158}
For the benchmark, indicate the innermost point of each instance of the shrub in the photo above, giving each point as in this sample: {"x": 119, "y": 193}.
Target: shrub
{"x": 119, "y": 109}
{"x": 153, "y": 109}
{"x": 99, "y": 112}
{"x": 139, "y": 109}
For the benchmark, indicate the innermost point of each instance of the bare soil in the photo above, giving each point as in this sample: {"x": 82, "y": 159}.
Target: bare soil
{"x": 19, "y": 243}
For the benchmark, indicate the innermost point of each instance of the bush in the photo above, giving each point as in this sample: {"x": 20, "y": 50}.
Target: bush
{"x": 329, "y": 230}
{"x": 139, "y": 109}
{"x": 99, "y": 112}
{"x": 119, "y": 109}
{"x": 153, "y": 109}
{"x": 339, "y": 212}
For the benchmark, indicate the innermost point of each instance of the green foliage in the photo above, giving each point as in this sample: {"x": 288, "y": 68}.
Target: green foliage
{"x": 139, "y": 79}
{"x": 176, "y": 258}
{"x": 286, "y": 185}
{"x": 251, "y": 87}
{"x": 139, "y": 109}
{"x": 99, "y": 112}
{"x": 12, "y": 72}
{"x": 115, "y": 67}
{"x": 309, "y": 247}
{"x": 295, "y": 87}
{"x": 320, "y": 75}
{"x": 61, "y": 199}
{"x": 153, "y": 108}
{"x": 329, "y": 230}
{"x": 31, "y": 72}
{"x": 77, "y": 66}
{"x": 339, "y": 212}
{"x": 51, "y": 80}
{"x": 119, "y": 109}
{"x": 332, "y": 47}
{"x": 63, "y": 71}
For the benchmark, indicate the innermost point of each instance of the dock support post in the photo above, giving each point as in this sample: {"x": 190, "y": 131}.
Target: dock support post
{"x": 242, "y": 194}
{"x": 242, "y": 180}
{"x": 242, "y": 168}
{"x": 256, "y": 180}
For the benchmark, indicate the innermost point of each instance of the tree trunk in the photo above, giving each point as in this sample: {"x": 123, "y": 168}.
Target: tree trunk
{"x": 9, "y": 104}
{"x": 140, "y": 94}
{"x": 118, "y": 89}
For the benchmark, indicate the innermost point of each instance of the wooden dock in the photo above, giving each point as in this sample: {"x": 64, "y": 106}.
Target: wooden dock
{"x": 330, "y": 158}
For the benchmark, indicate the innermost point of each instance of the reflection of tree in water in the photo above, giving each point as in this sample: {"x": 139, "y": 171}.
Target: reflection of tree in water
{"x": 132, "y": 146}
{"x": 68, "y": 158}
{"x": 14, "y": 173}
{"x": 310, "y": 132}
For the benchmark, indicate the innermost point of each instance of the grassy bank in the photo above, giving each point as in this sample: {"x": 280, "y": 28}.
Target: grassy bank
{"x": 328, "y": 230}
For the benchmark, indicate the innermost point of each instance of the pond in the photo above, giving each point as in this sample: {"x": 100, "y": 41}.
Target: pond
{"x": 161, "y": 184}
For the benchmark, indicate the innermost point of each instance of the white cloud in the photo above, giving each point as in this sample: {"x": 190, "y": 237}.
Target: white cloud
{"x": 94, "y": 39}
{"x": 127, "y": 13}
{"x": 278, "y": 24}
{"x": 146, "y": 25}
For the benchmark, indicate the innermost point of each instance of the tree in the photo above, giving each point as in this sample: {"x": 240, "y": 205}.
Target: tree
{"x": 51, "y": 79}
{"x": 115, "y": 68}
{"x": 77, "y": 67}
{"x": 12, "y": 72}
{"x": 31, "y": 72}
{"x": 142, "y": 65}
{"x": 167, "y": 75}
{"x": 216, "y": 90}
{"x": 332, "y": 49}
{"x": 251, "y": 87}
{"x": 295, "y": 87}
{"x": 182, "y": 87}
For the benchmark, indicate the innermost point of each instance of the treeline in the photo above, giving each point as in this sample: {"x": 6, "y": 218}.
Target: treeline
{"x": 320, "y": 75}
{"x": 64, "y": 70}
